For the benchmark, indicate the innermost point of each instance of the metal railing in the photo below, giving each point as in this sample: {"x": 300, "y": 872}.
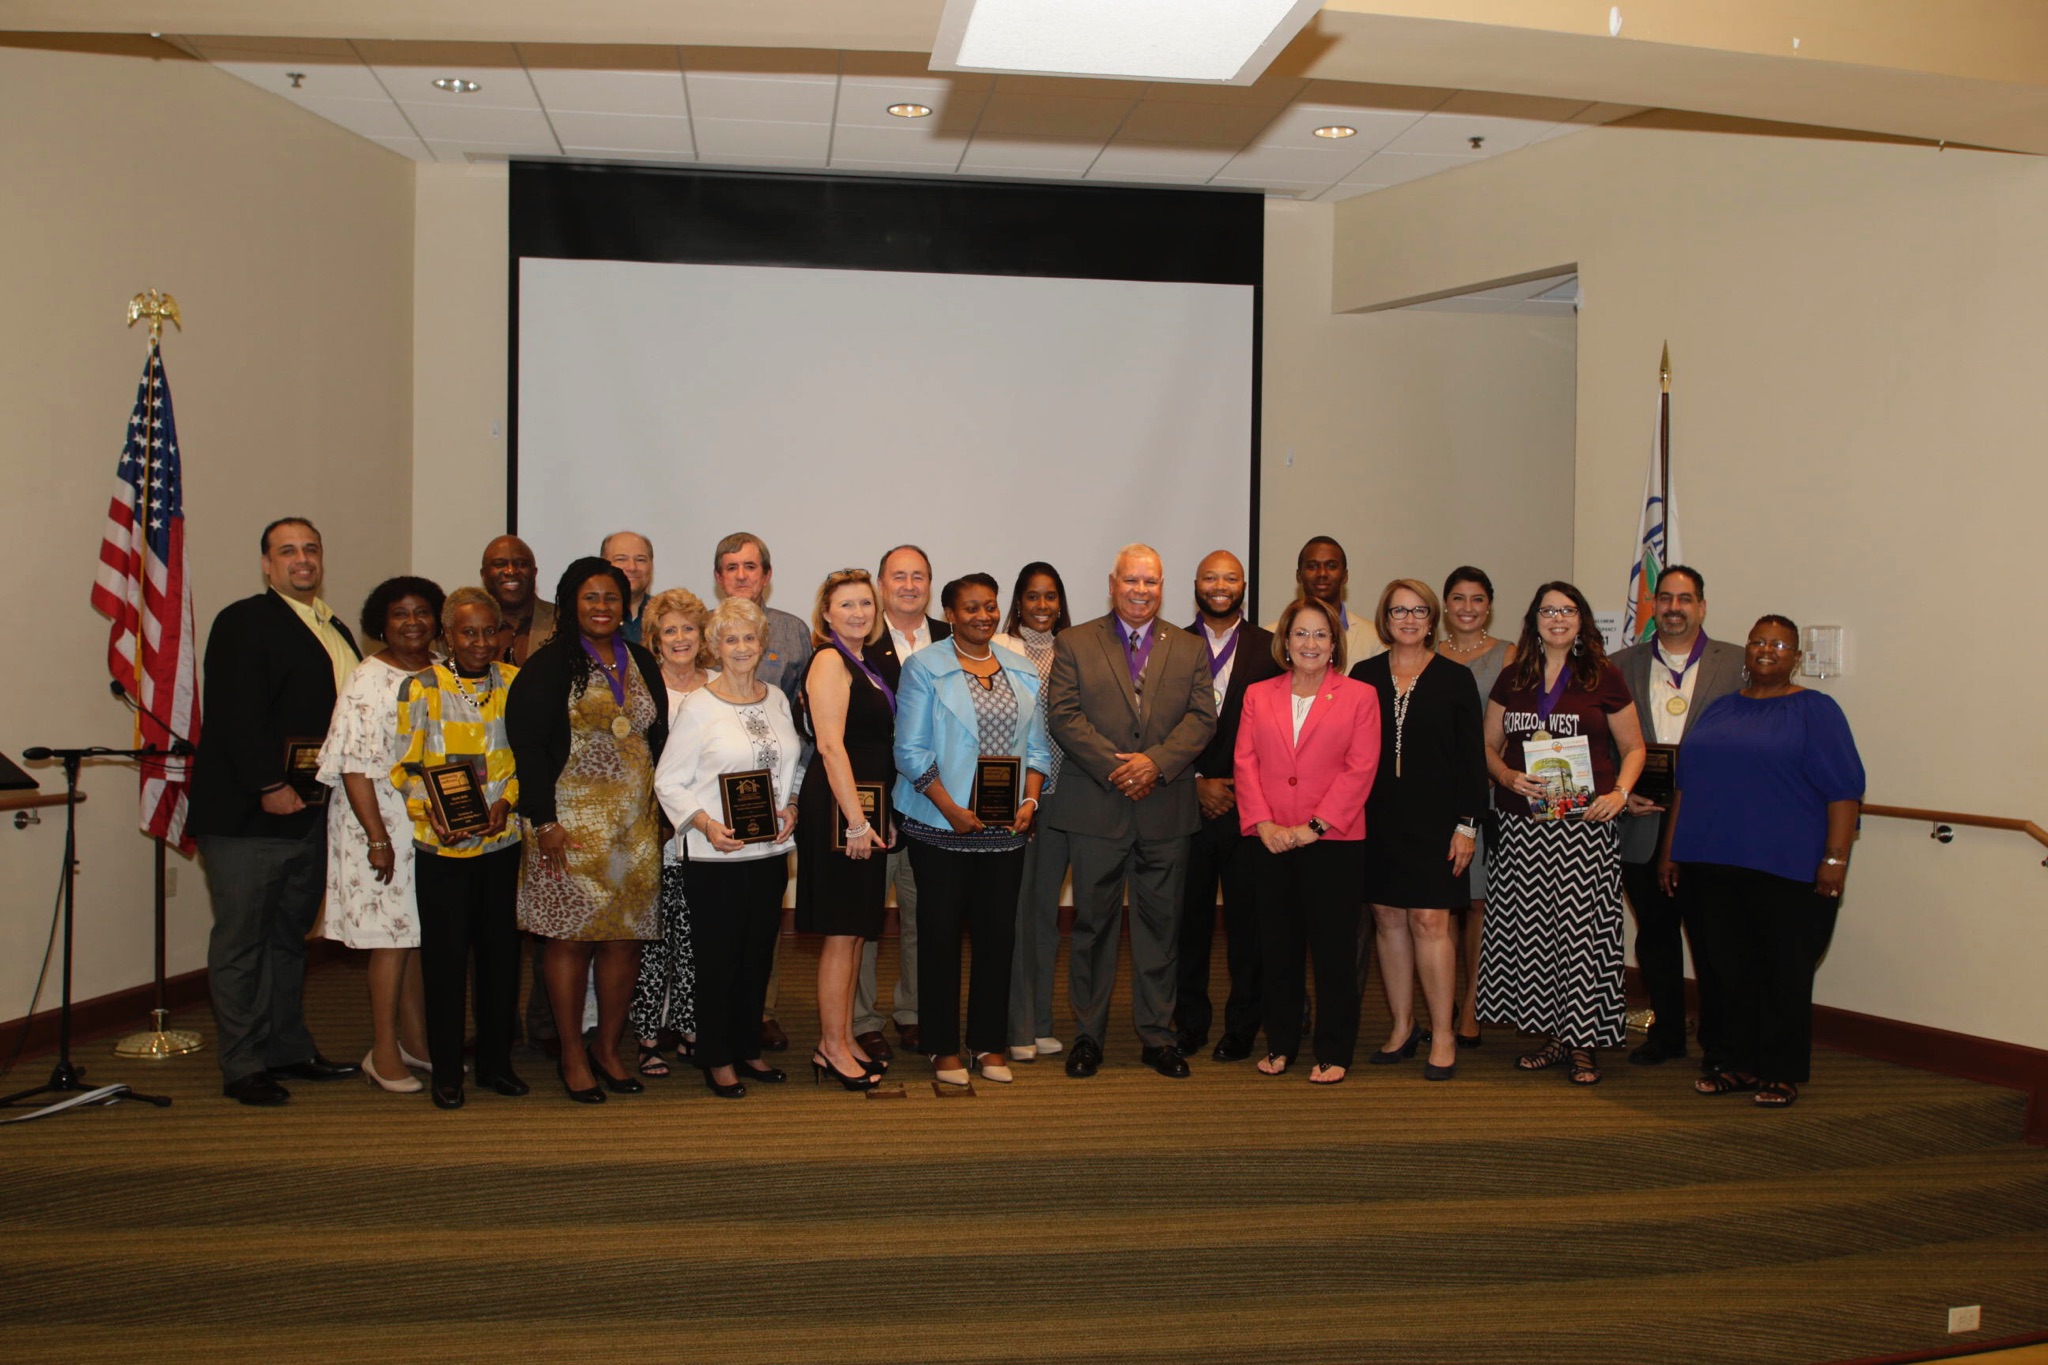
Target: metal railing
{"x": 1945, "y": 821}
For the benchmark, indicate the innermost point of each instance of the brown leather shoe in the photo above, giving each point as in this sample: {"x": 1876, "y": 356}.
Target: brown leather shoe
{"x": 912, "y": 1040}
{"x": 874, "y": 1045}
{"x": 773, "y": 1039}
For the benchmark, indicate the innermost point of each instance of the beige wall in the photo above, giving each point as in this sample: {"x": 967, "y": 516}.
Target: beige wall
{"x": 1856, "y": 337}
{"x": 288, "y": 244}
{"x": 1421, "y": 440}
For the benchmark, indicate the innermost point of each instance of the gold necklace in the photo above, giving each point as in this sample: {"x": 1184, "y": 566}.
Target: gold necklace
{"x": 1453, "y": 647}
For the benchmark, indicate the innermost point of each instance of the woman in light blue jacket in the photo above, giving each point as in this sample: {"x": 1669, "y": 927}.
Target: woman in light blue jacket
{"x": 960, "y": 701}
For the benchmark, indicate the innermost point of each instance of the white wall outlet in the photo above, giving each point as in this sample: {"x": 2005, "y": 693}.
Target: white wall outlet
{"x": 1965, "y": 1319}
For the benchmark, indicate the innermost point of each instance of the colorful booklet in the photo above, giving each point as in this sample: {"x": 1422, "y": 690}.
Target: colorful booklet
{"x": 1565, "y": 768}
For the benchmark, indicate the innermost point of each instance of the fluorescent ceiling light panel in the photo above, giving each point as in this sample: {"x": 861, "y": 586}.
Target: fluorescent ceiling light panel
{"x": 1219, "y": 42}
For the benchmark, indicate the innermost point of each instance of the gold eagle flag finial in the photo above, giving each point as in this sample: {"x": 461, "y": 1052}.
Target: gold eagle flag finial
{"x": 156, "y": 306}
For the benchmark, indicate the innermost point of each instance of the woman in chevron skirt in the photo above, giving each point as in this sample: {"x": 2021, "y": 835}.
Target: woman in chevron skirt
{"x": 1551, "y": 958}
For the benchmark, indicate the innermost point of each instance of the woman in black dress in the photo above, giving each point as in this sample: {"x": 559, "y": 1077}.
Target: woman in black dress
{"x": 1422, "y": 817}
{"x": 842, "y": 881}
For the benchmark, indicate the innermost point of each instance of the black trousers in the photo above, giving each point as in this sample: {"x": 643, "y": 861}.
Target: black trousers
{"x": 1765, "y": 936}
{"x": 1665, "y": 926}
{"x": 468, "y": 909}
{"x": 1308, "y": 903}
{"x": 735, "y": 916}
{"x": 1217, "y": 857}
{"x": 976, "y": 892}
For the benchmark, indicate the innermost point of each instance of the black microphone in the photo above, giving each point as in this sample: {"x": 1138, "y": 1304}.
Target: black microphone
{"x": 37, "y": 754}
{"x": 180, "y": 746}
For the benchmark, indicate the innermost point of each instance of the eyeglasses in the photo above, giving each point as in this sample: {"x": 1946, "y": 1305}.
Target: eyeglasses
{"x": 1557, "y": 613}
{"x": 1414, "y": 613}
{"x": 1774, "y": 646}
{"x": 1308, "y": 637}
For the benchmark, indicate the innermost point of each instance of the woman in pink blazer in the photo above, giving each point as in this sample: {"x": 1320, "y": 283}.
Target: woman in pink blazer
{"x": 1307, "y": 748}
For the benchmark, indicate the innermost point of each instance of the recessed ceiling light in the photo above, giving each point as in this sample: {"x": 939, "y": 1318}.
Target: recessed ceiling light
{"x": 911, "y": 110}
{"x": 455, "y": 85}
{"x": 1337, "y": 130}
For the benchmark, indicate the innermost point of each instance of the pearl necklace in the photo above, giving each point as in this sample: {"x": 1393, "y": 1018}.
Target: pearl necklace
{"x": 977, "y": 658}
{"x": 1451, "y": 646}
{"x": 1402, "y": 696}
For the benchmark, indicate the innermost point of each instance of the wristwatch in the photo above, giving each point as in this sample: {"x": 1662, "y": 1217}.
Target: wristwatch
{"x": 1469, "y": 828}
{"x": 1319, "y": 828}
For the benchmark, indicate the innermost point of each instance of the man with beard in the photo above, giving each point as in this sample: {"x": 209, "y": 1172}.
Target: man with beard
{"x": 1239, "y": 654}
{"x": 509, "y": 576}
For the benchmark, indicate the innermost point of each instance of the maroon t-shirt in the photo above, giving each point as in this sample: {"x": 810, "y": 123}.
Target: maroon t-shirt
{"x": 1578, "y": 713}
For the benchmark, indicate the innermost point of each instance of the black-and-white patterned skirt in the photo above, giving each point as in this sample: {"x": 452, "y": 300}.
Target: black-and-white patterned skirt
{"x": 1550, "y": 960}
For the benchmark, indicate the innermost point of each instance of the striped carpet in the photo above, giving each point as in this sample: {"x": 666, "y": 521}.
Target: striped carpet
{"x": 1502, "y": 1217}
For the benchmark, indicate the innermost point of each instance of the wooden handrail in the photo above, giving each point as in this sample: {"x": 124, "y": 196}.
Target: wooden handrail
{"x": 32, "y": 800}
{"x": 1950, "y": 817}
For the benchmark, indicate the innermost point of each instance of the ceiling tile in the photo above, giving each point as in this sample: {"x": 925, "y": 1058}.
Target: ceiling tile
{"x": 656, "y": 93}
{"x": 757, "y": 138}
{"x": 1325, "y": 165}
{"x": 409, "y": 70}
{"x": 631, "y": 155}
{"x": 349, "y": 80}
{"x": 1296, "y": 127}
{"x": 1049, "y": 116}
{"x": 444, "y": 123}
{"x": 1451, "y": 135}
{"x": 1345, "y": 190}
{"x": 773, "y": 163}
{"x": 1022, "y": 172}
{"x": 908, "y": 146}
{"x": 797, "y": 99}
{"x": 867, "y": 106}
{"x": 1398, "y": 168}
{"x": 374, "y": 119}
{"x": 466, "y": 150}
{"x": 600, "y": 56}
{"x": 405, "y": 146}
{"x": 995, "y": 154}
{"x": 1177, "y": 122}
{"x": 1188, "y": 165}
{"x": 623, "y": 132}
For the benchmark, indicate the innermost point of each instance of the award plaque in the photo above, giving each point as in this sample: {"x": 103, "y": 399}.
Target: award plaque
{"x": 456, "y": 797}
{"x": 873, "y": 809}
{"x": 301, "y": 763}
{"x": 749, "y": 801}
{"x": 996, "y": 780}
{"x": 1660, "y": 771}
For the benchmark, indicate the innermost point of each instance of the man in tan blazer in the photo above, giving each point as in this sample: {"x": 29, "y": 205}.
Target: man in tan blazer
{"x": 1131, "y": 703}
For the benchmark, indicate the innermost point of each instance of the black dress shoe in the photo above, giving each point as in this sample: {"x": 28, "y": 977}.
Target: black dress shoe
{"x": 317, "y": 1068}
{"x": 618, "y": 1085}
{"x": 1166, "y": 1060}
{"x": 448, "y": 1096}
{"x": 773, "y": 1039}
{"x": 911, "y": 1037}
{"x": 767, "y": 1075}
{"x": 875, "y": 1046}
{"x": 590, "y": 1096}
{"x": 504, "y": 1083}
{"x": 1190, "y": 1043}
{"x": 258, "y": 1088}
{"x": 1654, "y": 1053}
{"x": 1084, "y": 1059}
{"x": 1231, "y": 1048}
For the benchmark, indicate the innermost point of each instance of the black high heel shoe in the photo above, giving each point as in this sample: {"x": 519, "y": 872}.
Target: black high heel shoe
{"x": 618, "y": 1085}
{"x": 766, "y": 1075}
{"x": 1416, "y": 1036}
{"x": 736, "y": 1091}
{"x": 821, "y": 1065}
{"x": 590, "y": 1096}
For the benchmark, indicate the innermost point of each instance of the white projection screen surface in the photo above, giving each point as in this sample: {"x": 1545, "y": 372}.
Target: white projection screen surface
{"x": 992, "y": 419}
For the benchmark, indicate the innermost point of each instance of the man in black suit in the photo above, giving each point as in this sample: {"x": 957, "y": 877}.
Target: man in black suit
{"x": 1239, "y": 654}
{"x": 1674, "y": 677}
{"x": 274, "y": 665}
{"x": 1130, "y": 702}
{"x": 903, "y": 587}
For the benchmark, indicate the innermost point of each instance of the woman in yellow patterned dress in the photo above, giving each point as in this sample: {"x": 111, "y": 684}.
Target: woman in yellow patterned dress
{"x": 587, "y": 720}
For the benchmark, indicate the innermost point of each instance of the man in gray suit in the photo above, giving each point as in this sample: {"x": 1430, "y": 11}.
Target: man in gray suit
{"x": 1674, "y": 678}
{"x": 1130, "y": 701}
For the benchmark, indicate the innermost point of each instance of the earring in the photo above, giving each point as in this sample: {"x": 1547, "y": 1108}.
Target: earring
{"x": 1577, "y": 641}
{"x": 1745, "y": 675}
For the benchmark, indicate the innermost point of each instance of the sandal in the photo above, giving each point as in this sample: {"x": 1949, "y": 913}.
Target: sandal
{"x": 1724, "y": 1083}
{"x": 1321, "y": 1075}
{"x": 1775, "y": 1094}
{"x": 1585, "y": 1066}
{"x": 1275, "y": 1064}
{"x": 652, "y": 1063}
{"x": 1549, "y": 1055}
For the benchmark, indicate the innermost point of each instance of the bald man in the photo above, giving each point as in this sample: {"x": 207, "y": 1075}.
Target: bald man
{"x": 513, "y": 581}
{"x": 1130, "y": 700}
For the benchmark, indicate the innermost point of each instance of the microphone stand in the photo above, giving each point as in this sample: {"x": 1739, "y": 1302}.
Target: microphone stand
{"x": 66, "y": 1079}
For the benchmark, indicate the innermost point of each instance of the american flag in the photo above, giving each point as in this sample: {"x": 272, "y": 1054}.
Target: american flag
{"x": 142, "y": 587}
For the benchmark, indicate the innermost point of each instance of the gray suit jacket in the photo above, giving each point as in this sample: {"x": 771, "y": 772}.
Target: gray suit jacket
{"x": 1720, "y": 674}
{"x": 1094, "y": 714}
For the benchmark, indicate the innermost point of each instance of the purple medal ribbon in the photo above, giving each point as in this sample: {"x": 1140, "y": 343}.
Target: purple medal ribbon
{"x": 1218, "y": 658}
{"x": 1699, "y": 647}
{"x": 617, "y": 679}
{"x": 862, "y": 664}
{"x": 1139, "y": 654}
{"x": 1554, "y": 693}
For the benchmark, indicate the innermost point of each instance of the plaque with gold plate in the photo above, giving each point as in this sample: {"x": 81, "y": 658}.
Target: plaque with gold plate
{"x": 874, "y": 809}
{"x": 749, "y": 805}
{"x": 301, "y": 766}
{"x": 456, "y": 796}
{"x": 1659, "y": 778}
{"x": 997, "y": 778}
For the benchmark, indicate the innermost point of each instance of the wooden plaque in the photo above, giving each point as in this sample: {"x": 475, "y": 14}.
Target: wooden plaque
{"x": 749, "y": 801}
{"x": 874, "y": 808}
{"x": 301, "y": 763}
{"x": 997, "y": 780}
{"x": 456, "y": 796}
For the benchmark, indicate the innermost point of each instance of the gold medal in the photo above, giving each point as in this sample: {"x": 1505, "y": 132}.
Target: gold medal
{"x": 1676, "y": 706}
{"x": 621, "y": 726}
{"x": 1540, "y": 735}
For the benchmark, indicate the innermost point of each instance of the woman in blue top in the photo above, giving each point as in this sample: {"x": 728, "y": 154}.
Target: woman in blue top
{"x": 963, "y": 699}
{"x": 1771, "y": 787}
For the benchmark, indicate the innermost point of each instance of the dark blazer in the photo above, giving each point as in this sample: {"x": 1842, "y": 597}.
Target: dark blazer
{"x": 882, "y": 653}
{"x": 1720, "y": 673}
{"x": 268, "y": 679}
{"x": 1093, "y": 714}
{"x": 537, "y": 720}
{"x": 1252, "y": 663}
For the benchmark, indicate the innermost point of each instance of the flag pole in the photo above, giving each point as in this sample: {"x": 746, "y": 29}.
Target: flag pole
{"x": 1664, "y": 428}
{"x": 159, "y": 1040}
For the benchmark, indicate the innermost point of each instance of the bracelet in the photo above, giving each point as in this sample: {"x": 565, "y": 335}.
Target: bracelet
{"x": 380, "y": 846}
{"x": 865, "y": 828}
{"x": 1470, "y": 831}
{"x": 543, "y": 829}
{"x": 1834, "y": 862}
{"x": 1027, "y": 801}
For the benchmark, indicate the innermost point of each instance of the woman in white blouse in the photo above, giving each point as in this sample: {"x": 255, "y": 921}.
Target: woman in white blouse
{"x": 734, "y": 724}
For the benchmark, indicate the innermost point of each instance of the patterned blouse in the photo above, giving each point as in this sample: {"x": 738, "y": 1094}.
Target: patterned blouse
{"x": 995, "y": 720}
{"x": 443, "y": 718}
{"x": 1037, "y": 646}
